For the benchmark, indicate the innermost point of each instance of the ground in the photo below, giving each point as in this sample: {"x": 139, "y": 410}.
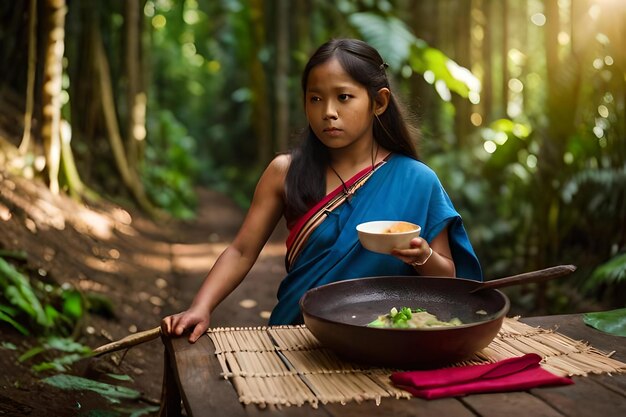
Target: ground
{"x": 147, "y": 269}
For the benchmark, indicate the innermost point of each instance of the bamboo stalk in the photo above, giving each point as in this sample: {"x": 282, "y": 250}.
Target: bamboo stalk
{"x": 128, "y": 341}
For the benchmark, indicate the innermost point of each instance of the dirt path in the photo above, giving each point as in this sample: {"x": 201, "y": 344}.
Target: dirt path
{"x": 218, "y": 221}
{"x": 146, "y": 270}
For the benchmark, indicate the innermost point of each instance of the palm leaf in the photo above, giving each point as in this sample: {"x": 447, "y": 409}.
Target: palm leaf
{"x": 455, "y": 77}
{"x": 388, "y": 35}
{"x": 399, "y": 46}
{"x": 613, "y": 271}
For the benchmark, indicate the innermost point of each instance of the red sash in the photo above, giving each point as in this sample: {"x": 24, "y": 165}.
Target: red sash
{"x": 306, "y": 224}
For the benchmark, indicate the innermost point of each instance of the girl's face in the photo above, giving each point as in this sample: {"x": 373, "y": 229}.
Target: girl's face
{"x": 338, "y": 109}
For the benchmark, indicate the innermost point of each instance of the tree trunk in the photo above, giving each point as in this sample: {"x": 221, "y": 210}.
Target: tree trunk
{"x": 282, "y": 74}
{"x": 260, "y": 106}
{"x": 127, "y": 172}
{"x": 86, "y": 107}
{"x": 136, "y": 98}
{"x": 462, "y": 46}
{"x": 423, "y": 97}
{"x": 302, "y": 10}
{"x": 51, "y": 97}
{"x": 563, "y": 82}
{"x": 486, "y": 94}
{"x": 32, "y": 71}
{"x": 522, "y": 17}
{"x": 75, "y": 185}
{"x": 505, "y": 57}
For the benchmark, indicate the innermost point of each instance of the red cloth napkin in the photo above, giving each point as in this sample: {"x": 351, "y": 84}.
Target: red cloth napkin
{"x": 513, "y": 374}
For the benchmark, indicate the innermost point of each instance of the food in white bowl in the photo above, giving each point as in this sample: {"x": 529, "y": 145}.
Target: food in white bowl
{"x": 382, "y": 236}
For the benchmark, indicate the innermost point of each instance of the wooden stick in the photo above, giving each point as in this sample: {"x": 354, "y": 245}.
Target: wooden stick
{"x": 128, "y": 341}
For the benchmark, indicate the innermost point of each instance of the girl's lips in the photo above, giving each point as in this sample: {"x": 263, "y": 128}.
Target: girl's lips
{"x": 333, "y": 131}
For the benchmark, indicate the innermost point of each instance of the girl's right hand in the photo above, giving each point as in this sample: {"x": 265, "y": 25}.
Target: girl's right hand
{"x": 177, "y": 324}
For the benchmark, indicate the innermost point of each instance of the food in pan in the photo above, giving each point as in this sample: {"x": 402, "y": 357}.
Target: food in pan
{"x": 407, "y": 318}
{"x": 400, "y": 227}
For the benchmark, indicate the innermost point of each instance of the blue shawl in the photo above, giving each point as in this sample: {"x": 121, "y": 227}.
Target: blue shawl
{"x": 400, "y": 189}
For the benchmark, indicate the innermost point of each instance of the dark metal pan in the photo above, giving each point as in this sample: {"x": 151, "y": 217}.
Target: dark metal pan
{"x": 337, "y": 314}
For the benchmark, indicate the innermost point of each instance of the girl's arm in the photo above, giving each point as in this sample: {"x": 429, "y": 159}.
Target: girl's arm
{"x": 238, "y": 258}
{"x": 439, "y": 263}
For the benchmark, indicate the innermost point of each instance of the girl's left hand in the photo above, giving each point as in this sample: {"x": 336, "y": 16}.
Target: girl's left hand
{"x": 429, "y": 258}
{"x": 418, "y": 252}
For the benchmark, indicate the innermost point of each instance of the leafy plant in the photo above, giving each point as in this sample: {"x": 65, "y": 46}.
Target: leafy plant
{"x": 611, "y": 272}
{"x": 17, "y": 291}
{"x": 42, "y": 308}
{"x": 113, "y": 393}
{"x": 170, "y": 167}
{"x": 403, "y": 50}
{"x": 73, "y": 352}
{"x": 7, "y": 313}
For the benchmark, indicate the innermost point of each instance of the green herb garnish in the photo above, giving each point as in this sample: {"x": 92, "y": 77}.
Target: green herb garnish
{"x": 398, "y": 319}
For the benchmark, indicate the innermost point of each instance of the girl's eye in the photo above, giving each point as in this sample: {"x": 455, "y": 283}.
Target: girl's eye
{"x": 343, "y": 97}
{"x": 314, "y": 99}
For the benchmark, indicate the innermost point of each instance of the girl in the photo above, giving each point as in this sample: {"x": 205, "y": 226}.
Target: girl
{"x": 357, "y": 163}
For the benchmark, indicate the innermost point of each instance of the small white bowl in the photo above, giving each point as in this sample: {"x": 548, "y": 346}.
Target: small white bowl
{"x": 377, "y": 237}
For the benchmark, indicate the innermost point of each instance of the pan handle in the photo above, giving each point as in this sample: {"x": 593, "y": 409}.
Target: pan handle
{"x": 527, "y": 277}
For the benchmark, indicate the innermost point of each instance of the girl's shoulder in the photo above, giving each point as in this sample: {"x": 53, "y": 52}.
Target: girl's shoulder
{"x": 276, "y": 172}
{"x": 412, "y": 166}
{"x": 279, "y": 166}
{"x": 280, "y": 162}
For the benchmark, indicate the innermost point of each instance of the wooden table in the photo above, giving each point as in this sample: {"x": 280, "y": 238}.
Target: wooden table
{"x": 192, "y": 373}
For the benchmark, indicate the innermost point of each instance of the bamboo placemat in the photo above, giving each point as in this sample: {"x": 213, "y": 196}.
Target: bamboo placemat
{"x": 286, "y": 365}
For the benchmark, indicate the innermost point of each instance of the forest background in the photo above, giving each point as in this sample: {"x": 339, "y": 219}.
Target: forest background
{"x": 521, "y": 107}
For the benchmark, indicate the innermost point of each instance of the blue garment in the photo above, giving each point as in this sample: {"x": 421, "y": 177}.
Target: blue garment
{"x": 401, "y": 189}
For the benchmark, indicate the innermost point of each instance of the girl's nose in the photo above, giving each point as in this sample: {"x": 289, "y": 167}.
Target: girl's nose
{"x": 330, "y": 112}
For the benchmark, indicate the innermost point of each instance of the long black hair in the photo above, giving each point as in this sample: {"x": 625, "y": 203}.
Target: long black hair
{"x": 306, "y": 181}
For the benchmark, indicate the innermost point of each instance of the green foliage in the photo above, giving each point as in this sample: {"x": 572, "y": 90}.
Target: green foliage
{"x": 99, "y": 304}
{"x": 199, "y": 95}
{"x": 170, "y": 167}
{"x": 424, "y": 59}
{"x": 612, "y": 322}
{"x": 73, "y": 304}
{"x": 12, "y": 254}
{"x": 387, "y": 34}
{"x": 60, "y": 353}
{"x": 8, "y": 346}
{"x": 202, "y": 53}
{"x": 40, "y": 308}
{"x": 596, "y": 192}
{"x": 481, "y": 183}
{"x": 120, "y": 377}
{"x": 7, "y": 313}
{"x": 609, "y": 273}
{"x": 403, "y": 50}
{"x": 113, "y": 393}
{"x": 48, "y": 311}
{"x": 237, "y": 184}
{"x": 592, "y": 221}
{"x": 73, "y": 352}
{"x": 562, "y": 215}
{"x": 17, "y": 291}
